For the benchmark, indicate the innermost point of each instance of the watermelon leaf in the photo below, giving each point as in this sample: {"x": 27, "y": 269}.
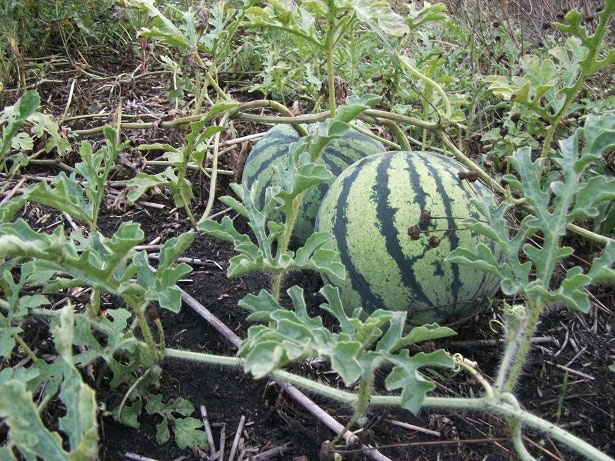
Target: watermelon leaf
{"x": 25, "y": 106}
{"x": 176, "y": 413}
{"x": 555, "y": 205}
{"x": 405, "y": 376}
{"x": 429, "y": 13}
{"x": 79, "y": 423}
{"x": 260, "y": 256}
{"x": 65, "y": 193}
{"x": 599, "y": 134}
{"x": 108, "y": 264}
{"x": 355, "y": 352}
{"x": 376, "y": 10}
{"x": 424, "y": 333}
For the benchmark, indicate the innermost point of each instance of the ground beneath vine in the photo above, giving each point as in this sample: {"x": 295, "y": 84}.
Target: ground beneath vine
{"x": 581, "y": 346}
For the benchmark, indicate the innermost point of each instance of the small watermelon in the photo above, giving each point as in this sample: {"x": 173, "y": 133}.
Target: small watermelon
{"x": 372, "y": 209}
{"x": 258, "y": 171}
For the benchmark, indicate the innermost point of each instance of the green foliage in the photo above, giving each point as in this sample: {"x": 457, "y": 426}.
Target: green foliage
{"x": 302, "y": 172}
{"x": 554, "y": 205}
{"x": 13, "y": 117}
{"x": 429, "y": 13}
{"x": 187, "y": 430}
{"x": 194, "y": 150}
{"x": 302, "y": 20}
{"x": 260, "y": 257}
{"x": 549, "y": 88}
{"x": 109, "y": 264}
{"x": 65, "y": 193}
{"x": 29, "y": 28}
{"x": 543, "y": 83}
{"x": 18, "y": 306}
{"x": 284, "y": 43}
{"x": 118, "y": 342}
{"x": 27, "y": 432}
{"x": 361, "y": 346}
{"x": 207, "y": 30}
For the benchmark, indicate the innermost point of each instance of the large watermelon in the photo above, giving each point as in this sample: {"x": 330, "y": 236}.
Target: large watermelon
{"x": 258, "y": 171}
{"x": 371, "y": 210}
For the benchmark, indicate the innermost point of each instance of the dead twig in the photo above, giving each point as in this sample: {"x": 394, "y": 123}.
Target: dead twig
{"x": 271, "y": 453}
{"x": 412, "y": 427}
{"x": 210, "y": 437}
{"x": 242, "y": 421}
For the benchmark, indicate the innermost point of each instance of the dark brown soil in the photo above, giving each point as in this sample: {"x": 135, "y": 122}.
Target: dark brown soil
{"x": 587, "y": 409}
{"x": 583, "y": 344}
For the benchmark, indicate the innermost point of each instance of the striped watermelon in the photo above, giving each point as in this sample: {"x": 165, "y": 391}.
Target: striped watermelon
{"x": 370, "y": 210}
{"x": 274, "y": 146}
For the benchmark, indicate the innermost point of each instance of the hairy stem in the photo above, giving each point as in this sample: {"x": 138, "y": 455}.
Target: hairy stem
{"x": 498, "y": 407}
{"x": 138, "y": 310}
{"x": 517, "y": 349}
{"x": 289, "y": 225}
{"x": 417, "y": 74}
{"x": 214, "y": 171}
{"x": 366, "y": 387}
{"x": 29, "y": 352}
{"x": 330, "y": 45}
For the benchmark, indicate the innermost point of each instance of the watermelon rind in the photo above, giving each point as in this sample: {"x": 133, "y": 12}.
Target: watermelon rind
{"x": 370, "y": 208}
{"x": 273, "y": 148}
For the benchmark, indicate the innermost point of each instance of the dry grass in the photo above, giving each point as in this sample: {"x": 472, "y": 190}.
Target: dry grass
{"x": 530, "y": 15}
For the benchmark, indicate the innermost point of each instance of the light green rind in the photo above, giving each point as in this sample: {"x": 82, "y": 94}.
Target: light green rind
{"x": 375, "y": 276}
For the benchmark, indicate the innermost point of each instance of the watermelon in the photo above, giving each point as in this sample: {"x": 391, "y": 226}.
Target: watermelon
{"x": 372, "y": 209}
{"x": 258, "y": 170}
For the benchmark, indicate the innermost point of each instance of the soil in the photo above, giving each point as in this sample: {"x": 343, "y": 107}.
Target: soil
{"x": 581, "y": 345}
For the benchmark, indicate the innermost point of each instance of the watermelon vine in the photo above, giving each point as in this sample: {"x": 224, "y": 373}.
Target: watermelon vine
{"x": 397, "y": 198}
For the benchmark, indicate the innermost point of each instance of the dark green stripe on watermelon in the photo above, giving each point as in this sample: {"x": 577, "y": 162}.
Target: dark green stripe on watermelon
{"x": 358, "y": 281}
{"x": 273, "y": 148}
{"x": 260, "y": 155}
{"x": 451, "y": 223}
{"x": 370, "y": 208}
{"x": 390, "y": 232}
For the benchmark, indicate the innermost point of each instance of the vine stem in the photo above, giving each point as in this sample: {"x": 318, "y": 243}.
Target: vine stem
{"x": 180, "y": 179}
{"x": 462, "y": 158}
{"x": 283, "y": 243}
{"x": 214, "y": 171}
{"x": 138, "y": 310}
{"x": 29, "y": 352}
{"x": 210, "y": 79}
{"x": 312, "y": 118}
{"x": 330, "y": 53}
{"x": 278, "y": 108}
{"x": 404, "y": 144}
{"x": 192, "y": 166}
{"x": 416, "y": 73}
{"x": 288, "y": 118}
{"x": 516, "y": 430}
{"x": 500, "y": 407}
{"x": 295, "y": 32}
{"x": 260, "y": 104}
